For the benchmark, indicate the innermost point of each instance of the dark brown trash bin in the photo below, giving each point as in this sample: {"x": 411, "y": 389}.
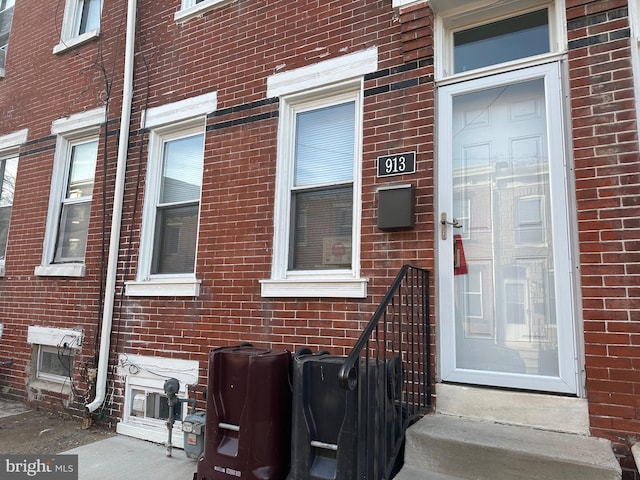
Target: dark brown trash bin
{"x": 248, "y": 421}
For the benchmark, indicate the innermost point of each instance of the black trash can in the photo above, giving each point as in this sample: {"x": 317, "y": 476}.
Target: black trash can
{"x": 323, "y": 439}
{"x": 328, "y": 441}
{"x": 248, "y": 420}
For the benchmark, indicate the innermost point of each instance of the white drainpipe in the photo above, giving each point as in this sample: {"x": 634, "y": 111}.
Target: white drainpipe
{"x": 114, "y": 242}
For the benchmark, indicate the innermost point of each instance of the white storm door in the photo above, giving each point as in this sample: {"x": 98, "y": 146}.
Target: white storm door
{"x": 505, "y": 310}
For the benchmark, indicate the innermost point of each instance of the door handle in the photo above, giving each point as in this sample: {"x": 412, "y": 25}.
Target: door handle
{"x": 444, "y": 222}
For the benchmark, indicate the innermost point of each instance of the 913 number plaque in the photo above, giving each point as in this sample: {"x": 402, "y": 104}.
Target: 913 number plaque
{"x": 397, "y": 164}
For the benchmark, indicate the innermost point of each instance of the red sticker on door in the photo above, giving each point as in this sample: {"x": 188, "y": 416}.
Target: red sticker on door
{"x": 459, "y": 262}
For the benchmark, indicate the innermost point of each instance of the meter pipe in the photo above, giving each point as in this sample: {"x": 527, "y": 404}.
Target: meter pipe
{"x": 116, "y": 220}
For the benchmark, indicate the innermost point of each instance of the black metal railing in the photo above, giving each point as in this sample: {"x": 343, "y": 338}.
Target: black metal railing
{"x": 389, "y": 366}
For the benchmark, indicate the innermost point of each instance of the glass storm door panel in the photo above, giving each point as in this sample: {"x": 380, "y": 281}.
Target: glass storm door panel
{"x": 504, "y": 255}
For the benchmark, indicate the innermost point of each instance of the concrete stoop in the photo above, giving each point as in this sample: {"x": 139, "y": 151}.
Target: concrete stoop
{"x": 443, "y": 447}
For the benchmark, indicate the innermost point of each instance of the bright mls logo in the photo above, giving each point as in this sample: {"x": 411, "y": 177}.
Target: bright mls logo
{"x": 50, "y": 467}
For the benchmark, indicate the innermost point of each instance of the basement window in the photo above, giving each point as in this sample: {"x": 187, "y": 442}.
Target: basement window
{"x": 55, "y": 364}
{"x": 153, "y": 405}
{"x": 146, "y": 409}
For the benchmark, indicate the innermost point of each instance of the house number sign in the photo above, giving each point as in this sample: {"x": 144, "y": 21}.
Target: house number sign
{"x": 397, "y": 164}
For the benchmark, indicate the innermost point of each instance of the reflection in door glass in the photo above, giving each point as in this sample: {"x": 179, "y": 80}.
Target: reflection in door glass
{"x": 505, "y": 305}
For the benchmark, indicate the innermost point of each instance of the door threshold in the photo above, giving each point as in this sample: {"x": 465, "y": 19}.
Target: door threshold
{"x": 536, "y": 410}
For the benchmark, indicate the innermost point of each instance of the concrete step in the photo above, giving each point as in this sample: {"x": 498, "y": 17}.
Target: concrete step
{"x": 414, "y": 473}
{"x": 464, "y": 449}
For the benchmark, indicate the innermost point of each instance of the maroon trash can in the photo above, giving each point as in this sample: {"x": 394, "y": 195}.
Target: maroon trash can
{"x": 248, "y": 420}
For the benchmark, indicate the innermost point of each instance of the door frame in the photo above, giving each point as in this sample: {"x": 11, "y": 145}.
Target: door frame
{"x": 568, "y": 381}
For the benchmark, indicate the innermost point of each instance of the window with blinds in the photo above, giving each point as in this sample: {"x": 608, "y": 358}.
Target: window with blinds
{"x": 322, "y": 189}
{"x": 178, "y": 206}
{"x": 76, "y": 203}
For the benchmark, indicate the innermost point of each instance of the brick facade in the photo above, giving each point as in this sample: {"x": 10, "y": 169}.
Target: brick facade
{"x": 606, "y": 164}
{"x": 232, "y": 49}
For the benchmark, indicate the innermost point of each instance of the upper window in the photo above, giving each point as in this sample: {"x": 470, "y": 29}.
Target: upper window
{"x": 497, "y": 42}
{"x": 171, "y": 212}
{"x": 316, "y": 250}
{"x": 81, "y": 22}
{"x": 8, "y": 172}
{"x": 177, "y": 204}
{"x": 9, "y": 147}
{"x": 318, "y": 178}
{"x": 479, "y": 37}
{"x": 321, "y": 188}
{"x": 71, "y": 193}
{"x": 76, "y": 202}
{"x": 6, "y": 15}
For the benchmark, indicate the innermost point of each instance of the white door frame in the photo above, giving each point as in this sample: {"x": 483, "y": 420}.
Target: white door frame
{"x": 567, "y": 381}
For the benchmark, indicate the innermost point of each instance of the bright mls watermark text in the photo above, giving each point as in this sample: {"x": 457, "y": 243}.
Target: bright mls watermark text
{"x": 50, "y": 467}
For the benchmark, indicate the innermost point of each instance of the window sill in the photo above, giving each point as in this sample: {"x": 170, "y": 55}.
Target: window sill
{"x": 61, "y": 270}
{"x": 70, "y": 43}
{"x": 151, "y": 434}
{"x": 1, "y": 72}
{"x": 171, "y": 287}
{"x": 197, "y": 9}
{"x": 41, "y": 384}
{"x": 307, "y": 288}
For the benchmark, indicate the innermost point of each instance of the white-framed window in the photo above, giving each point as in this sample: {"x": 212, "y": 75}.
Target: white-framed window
{"x": 9, "y": 147}
{"x": 171, "y": 212}
{"x": 55, "y": 364}
{"x": 194, "y": 8}
{"x": 145, "y": 402}
{"x": 316, "y": 247}
{"x": 75, "y": 206}
{"x": 54, "y": 351}
{"x": 81, "y": 22}
{"x": 173, "y": 202}
{"x": 474, "y": 37}
{"x": 6, "y": 16}
{"x": 71, "y": 193}
{"x": 8, "y": 174}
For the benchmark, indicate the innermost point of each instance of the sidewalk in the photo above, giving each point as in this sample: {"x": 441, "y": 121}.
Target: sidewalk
{"x": 126, "y": 458}
{"x": 117, "y": 457}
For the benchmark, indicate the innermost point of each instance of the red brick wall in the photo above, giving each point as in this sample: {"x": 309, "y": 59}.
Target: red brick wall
{"x": 38, "y": 88}
{"x": 607, "y": 184}
{"x": 232, "y": 50}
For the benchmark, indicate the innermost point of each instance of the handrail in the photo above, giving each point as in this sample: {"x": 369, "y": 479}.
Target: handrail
{"x": 389, "y": 367}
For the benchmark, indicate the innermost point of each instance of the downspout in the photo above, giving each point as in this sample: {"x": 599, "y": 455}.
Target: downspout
{"x": 116, "y": 220}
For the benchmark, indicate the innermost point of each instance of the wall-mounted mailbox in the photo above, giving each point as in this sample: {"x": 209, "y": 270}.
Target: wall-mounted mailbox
{"x": 396, "y": 207}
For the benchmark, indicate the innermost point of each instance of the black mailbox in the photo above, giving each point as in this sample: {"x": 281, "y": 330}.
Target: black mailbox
{"x": 396, "y": 207}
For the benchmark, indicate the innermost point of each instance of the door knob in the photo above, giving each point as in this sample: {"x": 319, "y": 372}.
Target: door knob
{"x": 444, "y": 222}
